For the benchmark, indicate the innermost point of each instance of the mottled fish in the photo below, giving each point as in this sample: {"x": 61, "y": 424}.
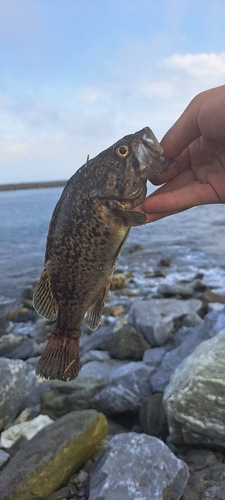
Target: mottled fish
{"x": 88, "y": 229}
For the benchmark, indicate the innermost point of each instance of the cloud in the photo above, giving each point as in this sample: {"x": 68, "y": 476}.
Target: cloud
{"x": 49, "y": 132}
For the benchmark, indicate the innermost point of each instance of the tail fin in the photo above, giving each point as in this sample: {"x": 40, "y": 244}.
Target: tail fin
{"x": 60, "y": 358}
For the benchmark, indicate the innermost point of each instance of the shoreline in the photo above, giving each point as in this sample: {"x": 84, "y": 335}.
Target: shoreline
{"x": 32, "y": 185}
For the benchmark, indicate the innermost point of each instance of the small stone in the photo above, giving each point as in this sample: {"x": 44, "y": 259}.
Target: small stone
{"x": 114, "y": 310}
{"x": 100, "y": 369}
{"x": 25, "y": 429}
{"x": 136, "y": 248}
{"x": 127, "y": 343}
{"x": 118, "y": 281}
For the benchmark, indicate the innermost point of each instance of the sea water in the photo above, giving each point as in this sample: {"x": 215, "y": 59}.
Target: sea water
{"x": 194, "y": 240}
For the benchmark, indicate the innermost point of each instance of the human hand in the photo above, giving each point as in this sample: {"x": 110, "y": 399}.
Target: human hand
{"x": 197, "y": 142}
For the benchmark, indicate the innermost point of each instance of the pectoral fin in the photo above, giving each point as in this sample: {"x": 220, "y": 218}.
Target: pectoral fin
{"x": 136, "y": 218}
{"x": 43, "y": 298}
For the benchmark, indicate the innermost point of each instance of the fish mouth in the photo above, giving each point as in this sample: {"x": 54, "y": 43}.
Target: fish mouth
{"x": 134, "y": 194}
{"x": 150, "y": 155}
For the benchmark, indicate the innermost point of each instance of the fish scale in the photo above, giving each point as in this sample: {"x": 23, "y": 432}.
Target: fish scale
{"x": 88, "y": 229}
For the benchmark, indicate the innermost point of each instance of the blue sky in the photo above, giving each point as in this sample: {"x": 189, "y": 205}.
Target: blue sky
{"x": 77, "y": 75}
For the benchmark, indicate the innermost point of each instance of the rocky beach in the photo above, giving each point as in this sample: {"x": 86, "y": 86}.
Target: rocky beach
{"x": 145, "y": 417}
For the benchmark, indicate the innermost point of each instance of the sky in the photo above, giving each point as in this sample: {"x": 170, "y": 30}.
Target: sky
{"x": 78, "y": 75}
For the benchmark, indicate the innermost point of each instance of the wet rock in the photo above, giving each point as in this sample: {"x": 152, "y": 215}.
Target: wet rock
{"x": 46, "y": 463}
{"x": 25, "y": 429}
{"x": 137, "y": 466}
{"x": 195, "y": 397}
{"x": 128, "y": 386}
{"x": 211, "y": 326}
{"x": 14, "y": 390}
{"x": 152, "y": 416}
{"x": 154, "y": 356}
{"x": 211, "y": 296}
{"x": 127, "y": 343}
{"x": 59, "y": 398}
{"x": 175, "y": 290}
{"x": 157, "y": 319}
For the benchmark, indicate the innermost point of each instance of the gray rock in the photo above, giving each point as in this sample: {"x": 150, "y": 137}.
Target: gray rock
{"x": 157, "y": 319}
{"x": 152, "y": 416}
{"x": 127, "y": 343}
{"x": 137, "y": 466}
{"x": 59, "y": 398}
{"x": 128, "y": 386}
{"x": 100, "y": 369}
{"x": 154, "y": 356}
{"x": 95, "y": 339}
{"x": 211, "y": 326}
{"x": 94, "y": 355}
{"x": 16, "y": 346}
{"x": 4, "y": 457}
{"x": 14, "y": 389}
{"x": 195, "y": 397}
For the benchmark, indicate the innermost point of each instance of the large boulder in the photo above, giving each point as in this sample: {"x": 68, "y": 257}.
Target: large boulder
{"x": 157, "y": 319}
{"x": 14, "y": 389}
{"x": 137, "y": 466}
{"x": 46, "y": 462}
{"x": 195, "y": 397}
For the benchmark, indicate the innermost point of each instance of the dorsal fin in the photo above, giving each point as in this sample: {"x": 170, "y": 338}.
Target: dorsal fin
{"x": 43, "y": 298}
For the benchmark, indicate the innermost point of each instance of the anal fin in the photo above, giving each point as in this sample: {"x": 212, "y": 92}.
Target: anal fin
{"x": 94, "y": 313}
{"x": 43, "y": 298}
{"x": 60, "y": 358}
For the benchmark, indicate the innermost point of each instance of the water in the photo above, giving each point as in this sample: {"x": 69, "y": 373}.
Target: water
{"x": 194, "y": 240}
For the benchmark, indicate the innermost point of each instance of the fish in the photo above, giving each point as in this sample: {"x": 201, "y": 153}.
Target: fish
{"x": 88, "y": 229}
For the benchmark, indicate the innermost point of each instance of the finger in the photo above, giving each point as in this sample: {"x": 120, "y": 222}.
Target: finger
{"x": 181, "y": 199}
{"x": 185, "y": 130}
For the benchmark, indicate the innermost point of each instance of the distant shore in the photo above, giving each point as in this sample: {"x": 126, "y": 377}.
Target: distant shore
{"x": 31, "y": 185}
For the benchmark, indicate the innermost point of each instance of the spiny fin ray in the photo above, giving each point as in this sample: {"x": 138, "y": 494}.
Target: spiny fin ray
{"x": 43, "y": 298}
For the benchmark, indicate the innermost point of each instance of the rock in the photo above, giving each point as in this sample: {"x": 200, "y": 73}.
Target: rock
{"x": 14, "y": 389}
{"x": 22, "y": 315}
{"x": 16, "y": 346}
{"x": 100, "y": 369}
{"x": 152, "y": 416}
{"x": 206, "y": 484}
{"x": 46, "y": 463}
{"x": 154, "y": 356}
{"x": 136, "y": 248}
{"x": 195, "y": 397}
{"x": 25, "y": 429}
{"x": 157, "y": 319}
{"x": 137, "y": 466}
{"x": 4, "y": 457}
{"x": 175, "y": 290}
{"x": 128, "y": 386}
{"x": 126, "y": 343}
{"x": 94, "y": 341}
{"x": 94, "y": 355}
{"x": 211, "y": 326}
{"x": 59, "y": 398}
{"x": 114, "y": 310}
{"x": 118, "y": 281}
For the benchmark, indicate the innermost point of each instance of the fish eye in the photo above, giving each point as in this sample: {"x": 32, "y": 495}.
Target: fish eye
{"x": 122, "y": 151}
